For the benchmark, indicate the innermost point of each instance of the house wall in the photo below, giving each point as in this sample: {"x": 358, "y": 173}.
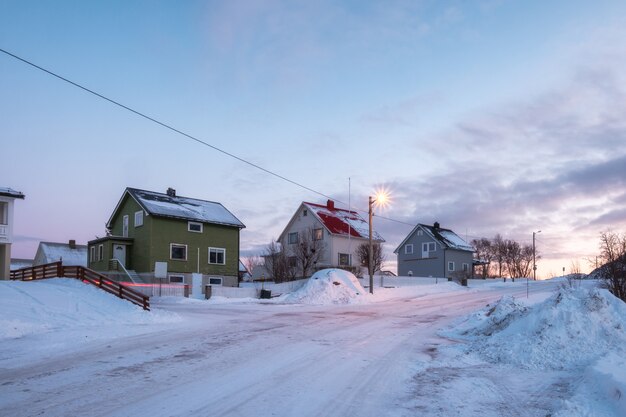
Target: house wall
{"x": 5, "y": 260}
{"x": 433, "y": 265}
{"x": 436, "y": 264}
{"x": 152, "y": 243}
{"x": 301, "y": 224}
{"x": 333, "y": 244}
{"x": 6, "y": 227}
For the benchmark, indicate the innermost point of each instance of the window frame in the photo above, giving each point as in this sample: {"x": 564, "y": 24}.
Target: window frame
{"x": 92, "y": 253}
{"x": 181, "y": 276}
{"x": 190, "y": 223}
{"x": 451, "y": 263}
{"x": 140, "y": 222}
{"x": 427, "y": 251}
{"x": 465, "y": 267}
{"x": 4, "y": 213}
{"x": 290, "y": 235}
{"x": 125, "y": 225}
{"x": 100, "y": 252}
{"x": 339, "y": 255}
{"x": 179, "y": 245}
{"x": 406, "y": 249}
{"x": 221, "y": 281}
{"x": 319, "y": 231}
{"x": 217, "y": 251}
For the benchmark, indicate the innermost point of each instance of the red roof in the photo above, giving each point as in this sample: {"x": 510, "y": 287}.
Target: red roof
{"x": 342, "y": 222}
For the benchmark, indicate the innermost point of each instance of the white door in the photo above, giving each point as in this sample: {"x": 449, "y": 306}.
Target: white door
{"x": 119, "y": 253}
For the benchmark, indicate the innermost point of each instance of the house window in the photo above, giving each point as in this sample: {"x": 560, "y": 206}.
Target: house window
{"x": 178, "y": 252}
{"x": 125, "y": 225}
{"x": 318, "y": 234}
{"x": 292, "y": 238}
{"x": 177, "y": 279}
{"x": 305, "y": 212}
{"x": 215, "y": 281}
{"x": 465, "y": 267}
{"x": 292, "y": 261}
{"x": 344, "y": 259}
{"x": 427, "y": 247}
{"x": 100, "y": 252}
{"x": 450, "y": 266}
{"x": 194, "y": 227}
{"x": 4, "y": 212}
{"x": 217, "y": 256}
{"x": 420, "y": 233}
{"x": 408, "y": 249}
{"x": 92, "y": 254}
{"x": 139, "y": 218}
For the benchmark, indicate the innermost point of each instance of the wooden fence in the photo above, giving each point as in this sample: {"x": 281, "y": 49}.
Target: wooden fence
{"x": 57, "y": 270}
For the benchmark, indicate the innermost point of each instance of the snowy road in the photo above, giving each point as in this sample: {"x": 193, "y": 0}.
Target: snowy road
{"x": 264, "y": 360}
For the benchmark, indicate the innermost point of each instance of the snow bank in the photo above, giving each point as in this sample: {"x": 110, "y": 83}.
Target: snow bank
{"x": 602, "y": 391}
{"x": 62, "y": 303}
{"x": 573, "y": 328}
{"x": 329, "y": 286}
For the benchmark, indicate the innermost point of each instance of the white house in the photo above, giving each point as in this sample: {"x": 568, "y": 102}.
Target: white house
{"x": 340, "y": 232}
{"x": 70, "y": 253}
{"x": 7, "y": 197}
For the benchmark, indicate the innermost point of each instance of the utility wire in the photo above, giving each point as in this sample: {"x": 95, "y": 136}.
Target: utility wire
{"x": 188, "y": 136}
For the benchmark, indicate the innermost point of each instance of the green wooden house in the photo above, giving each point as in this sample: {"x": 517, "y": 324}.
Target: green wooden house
{"x": 149, "y": 229}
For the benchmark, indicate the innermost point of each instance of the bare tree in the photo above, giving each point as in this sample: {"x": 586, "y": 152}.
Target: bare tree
{"x": 613, "y": 257}
{"x": 484, "y": 253}
{"x": 276, "y": 262}
{"x": 307, "y": 252}
{"x": 499, "y": 249}
{"x": 378, "y": 257}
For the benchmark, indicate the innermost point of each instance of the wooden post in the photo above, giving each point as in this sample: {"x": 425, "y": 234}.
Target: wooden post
{"x": 60, "y": 269}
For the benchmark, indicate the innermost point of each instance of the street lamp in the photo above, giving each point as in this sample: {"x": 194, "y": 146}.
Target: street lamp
{"x": 534, "y": 263}
{"x": 380, "y": 199}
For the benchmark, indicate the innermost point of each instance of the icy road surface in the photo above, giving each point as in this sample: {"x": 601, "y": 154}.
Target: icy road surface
{"x": 251, "y": 359}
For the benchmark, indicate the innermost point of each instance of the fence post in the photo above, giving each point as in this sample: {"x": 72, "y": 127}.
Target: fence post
{"x": 60, "y": 269}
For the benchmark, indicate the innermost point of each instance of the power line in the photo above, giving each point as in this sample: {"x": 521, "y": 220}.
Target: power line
{"x": 187, "y": 135}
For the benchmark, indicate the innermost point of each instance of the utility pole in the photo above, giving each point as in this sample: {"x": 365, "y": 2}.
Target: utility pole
{"x": 371, "y": 257}
{"x": 534, "y": 263}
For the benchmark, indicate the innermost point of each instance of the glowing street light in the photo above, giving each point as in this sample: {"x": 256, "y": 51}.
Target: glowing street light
{"x": 380, "y": 199}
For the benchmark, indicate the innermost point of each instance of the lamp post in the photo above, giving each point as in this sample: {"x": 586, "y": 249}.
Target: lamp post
{"x": 380, "y": 199}
{"x": 534, "y": 263}
{"x": 370, "y": 255}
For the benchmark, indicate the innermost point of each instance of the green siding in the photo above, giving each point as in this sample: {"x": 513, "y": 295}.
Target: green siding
{"x": 152, "y": 242}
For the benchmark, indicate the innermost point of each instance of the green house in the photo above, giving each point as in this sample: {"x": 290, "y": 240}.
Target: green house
{"x": 176, "y": 235}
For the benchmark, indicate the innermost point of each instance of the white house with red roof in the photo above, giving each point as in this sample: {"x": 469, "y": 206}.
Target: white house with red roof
{"x": 340, "y": 231}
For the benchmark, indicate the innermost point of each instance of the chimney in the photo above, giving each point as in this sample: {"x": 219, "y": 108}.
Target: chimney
{"x": 171, "y": 192}
{"x": 330, "y": 204}
{"x": 72, "y": 244}
{"x": 436, "y": 225}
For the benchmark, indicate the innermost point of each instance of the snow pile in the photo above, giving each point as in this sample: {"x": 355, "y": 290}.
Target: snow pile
{"x": 572, "y": 328}
{"x": 62, "y": 304}
{"x": 329, "y": 286}
{"x": 602, "y": 391}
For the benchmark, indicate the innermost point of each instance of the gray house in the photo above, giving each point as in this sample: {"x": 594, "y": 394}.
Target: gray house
{"x": 431, "y": 251}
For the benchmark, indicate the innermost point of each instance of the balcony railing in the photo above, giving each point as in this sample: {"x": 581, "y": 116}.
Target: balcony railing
{"x": 4, "y": 229}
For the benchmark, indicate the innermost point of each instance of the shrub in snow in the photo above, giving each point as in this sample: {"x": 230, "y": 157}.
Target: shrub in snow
{"x": 572, "y": 328}
{"x": 329, "y": 286}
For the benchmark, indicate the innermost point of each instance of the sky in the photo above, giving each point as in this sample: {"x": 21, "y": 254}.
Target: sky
{"x": 487, "y": 116}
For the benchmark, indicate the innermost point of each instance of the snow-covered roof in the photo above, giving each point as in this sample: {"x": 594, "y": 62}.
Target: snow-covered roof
{"x": 185, "y": 208}
{"x": 342, "y": 222}
{"x": 48, "y": 252}
{"x": 445, "y": 237}
{"x": 9, "y": 192}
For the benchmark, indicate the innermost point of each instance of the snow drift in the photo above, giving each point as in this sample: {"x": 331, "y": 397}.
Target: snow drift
{"x": 36, "y": 307}
{"x": 329, "y": 286}
{"x": 572, "y": 328}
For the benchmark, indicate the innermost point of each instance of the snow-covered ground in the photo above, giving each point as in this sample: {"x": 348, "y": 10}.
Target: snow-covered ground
{"x": 328, "y": 349}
